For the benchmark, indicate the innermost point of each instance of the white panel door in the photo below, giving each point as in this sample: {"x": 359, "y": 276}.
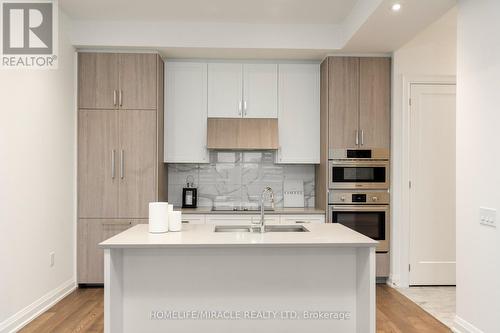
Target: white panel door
{"x": 260, "y": 90}
{"x": 225, "y": 90}
{"x": 298, "y": 114}
{"x": 432, "y": 192}
{"x": 186, "y": 112}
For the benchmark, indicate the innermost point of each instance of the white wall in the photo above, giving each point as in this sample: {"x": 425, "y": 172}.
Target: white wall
{"x": 478, "y": 165}
{"x": 431, "y": 55}
{"x": 37, "y": 185}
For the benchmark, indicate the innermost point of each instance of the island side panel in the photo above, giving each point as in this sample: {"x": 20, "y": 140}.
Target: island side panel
{"x": 113, "y": 291}
{"x": 239, "y": 279}
{"x": 366, "y": 284}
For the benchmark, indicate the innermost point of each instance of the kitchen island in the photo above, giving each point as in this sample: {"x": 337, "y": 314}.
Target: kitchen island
{"x": 321, "y": 279}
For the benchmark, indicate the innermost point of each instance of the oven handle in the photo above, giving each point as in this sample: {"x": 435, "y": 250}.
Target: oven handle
{"x": 359, "y": 163}
{"x": 360, "y": 208}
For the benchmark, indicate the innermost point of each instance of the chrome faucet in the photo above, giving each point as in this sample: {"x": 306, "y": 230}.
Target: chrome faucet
{"x": 267, "y": 193}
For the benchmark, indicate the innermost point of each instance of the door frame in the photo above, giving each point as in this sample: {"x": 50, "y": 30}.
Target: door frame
{"x": 400, "y": 175}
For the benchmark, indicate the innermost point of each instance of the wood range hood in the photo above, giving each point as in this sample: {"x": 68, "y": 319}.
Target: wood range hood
{"x": 242, "y": 133}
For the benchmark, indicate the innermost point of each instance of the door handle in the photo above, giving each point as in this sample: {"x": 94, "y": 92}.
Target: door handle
{"x": 244, "y": 108}
{"x": 240, "y": 103}
{"x": 357, "y": 137}
{"x": 122, "y": 158}
{"x": 120, "y": 98}
{"x": 301, "y": 222}
{"x": 114, "y": 97}
{"x": 362, "y": 137}
{"x": 113, "y": 164}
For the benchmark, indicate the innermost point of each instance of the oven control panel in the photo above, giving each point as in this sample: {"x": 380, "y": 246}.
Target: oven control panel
{"x": 345, "y": 197}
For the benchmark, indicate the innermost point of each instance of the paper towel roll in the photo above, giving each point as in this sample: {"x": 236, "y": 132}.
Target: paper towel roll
{"x": 158, "y": 217}
{"x": 174, "y": 220}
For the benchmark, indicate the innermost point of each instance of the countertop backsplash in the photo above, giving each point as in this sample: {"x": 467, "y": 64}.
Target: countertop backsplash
{"x": 235, "y": 176}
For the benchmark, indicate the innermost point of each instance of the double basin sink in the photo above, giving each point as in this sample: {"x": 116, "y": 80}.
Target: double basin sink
{"x": 267, "y": 228}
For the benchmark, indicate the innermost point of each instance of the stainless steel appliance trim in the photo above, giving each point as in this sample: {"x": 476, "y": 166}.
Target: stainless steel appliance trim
{"x": 359, "y": 185}
{"x": 377, "y": 153}
{"x": 383, "y": 245}
{"x": 382, "y": 197}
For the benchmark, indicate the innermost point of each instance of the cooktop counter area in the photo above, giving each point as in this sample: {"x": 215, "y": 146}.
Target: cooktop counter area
{"x": 208, "y": 278}
{"x": 275, "y": 211}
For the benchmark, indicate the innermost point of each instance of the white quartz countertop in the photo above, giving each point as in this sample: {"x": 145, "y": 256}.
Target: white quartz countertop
{"x": 203, "y": 235}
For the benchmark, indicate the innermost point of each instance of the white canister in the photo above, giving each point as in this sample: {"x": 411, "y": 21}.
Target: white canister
{"x": 158, "y": 217}
{"x": 174, "y": 220}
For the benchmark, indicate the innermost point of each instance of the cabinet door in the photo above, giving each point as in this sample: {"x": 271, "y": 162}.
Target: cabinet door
{"x": 91, "y": 232}
{"x": 225, "y": 90}
{"x": 229, "y": 219}
{"x": 186, "y": 112}
{"x": 299, "y": 114}
{"x": 302, "y": 219}
{"x": 375, "y": 102}
{"x": 260, "y": 90}
{"x": 137, "y": 162}
{"x": 137, "y": 81}
{"x": 193, "y": 219}
{"x": 97, "y": 164}
{"x": 343, "y": 102}
{"x": 97, "y": 80}
{"x": 268, "y": 219}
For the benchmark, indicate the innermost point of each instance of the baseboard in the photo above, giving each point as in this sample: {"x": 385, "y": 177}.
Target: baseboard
{"x": 462, "y": 326}
{"x": 20, "y": 319}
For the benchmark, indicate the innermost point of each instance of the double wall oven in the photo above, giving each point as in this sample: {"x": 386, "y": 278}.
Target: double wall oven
{"x": 359, "y": 192}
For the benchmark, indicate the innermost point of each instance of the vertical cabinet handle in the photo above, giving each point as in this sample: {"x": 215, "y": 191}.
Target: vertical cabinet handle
{"x": 113, "y": 164}
{"x": 122, "y": 157}
{"x": 362, "y": 137}
{"x": 114, "y": 97}
{"x": 120, "y": 98}
{"x": 244, "y": 108}
{"x": 357, "y": 137}
{"x": 240, "y": 107}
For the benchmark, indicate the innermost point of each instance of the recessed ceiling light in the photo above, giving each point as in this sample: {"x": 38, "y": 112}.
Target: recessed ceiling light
{"x": 396, "y": 7}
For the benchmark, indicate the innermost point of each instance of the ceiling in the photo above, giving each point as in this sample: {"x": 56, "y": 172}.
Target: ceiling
{"x": 221, "y": 11}
{"x": 236, "y": 29}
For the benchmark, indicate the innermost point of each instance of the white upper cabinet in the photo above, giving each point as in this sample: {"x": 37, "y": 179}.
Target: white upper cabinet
{"x": 225, "y": 90}
{"x": 238, "y": 90}
{"x": 186, "y": 112}
{"x": 260, "y": 90}
{"x": 299, "y": 114}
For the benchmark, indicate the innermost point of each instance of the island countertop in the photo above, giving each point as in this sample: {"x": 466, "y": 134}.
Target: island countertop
{"x": 203, "y": 235}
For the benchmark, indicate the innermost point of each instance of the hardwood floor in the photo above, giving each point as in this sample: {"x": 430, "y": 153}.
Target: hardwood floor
{"x": 82, "y": 312}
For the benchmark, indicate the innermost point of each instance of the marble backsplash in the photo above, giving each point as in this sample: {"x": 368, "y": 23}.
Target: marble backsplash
{"x": 238, "y": 177}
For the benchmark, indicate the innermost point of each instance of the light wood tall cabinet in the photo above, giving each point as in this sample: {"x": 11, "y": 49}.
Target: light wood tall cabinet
{"x": 355, "y": 113}
{"x": 359, "y": 102}
{"x": 117, "y": 81}
{"x": 120, "y": 149}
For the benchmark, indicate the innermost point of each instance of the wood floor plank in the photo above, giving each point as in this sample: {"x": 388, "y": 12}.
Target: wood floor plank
{"x": 83, "y": 312}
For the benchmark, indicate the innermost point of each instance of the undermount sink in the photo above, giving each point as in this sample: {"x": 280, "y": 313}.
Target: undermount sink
{"x": 286, "y": 228}
{"x": 267, "y": 228}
